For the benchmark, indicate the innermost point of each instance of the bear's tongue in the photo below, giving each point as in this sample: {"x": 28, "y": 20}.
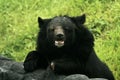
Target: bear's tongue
{"x": 59, "y": 43}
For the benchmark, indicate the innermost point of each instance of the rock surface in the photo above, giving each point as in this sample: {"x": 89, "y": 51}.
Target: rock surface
{"x": 11, "y": 70}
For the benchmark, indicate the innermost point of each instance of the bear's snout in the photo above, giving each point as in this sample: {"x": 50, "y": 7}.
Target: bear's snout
{"x": 59, "y": 40}
{"x": 59, "y": 37}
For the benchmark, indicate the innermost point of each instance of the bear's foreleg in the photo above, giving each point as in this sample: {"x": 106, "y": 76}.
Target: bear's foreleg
{"x": 34, "y": 60}
{"x": 66, "y": 66}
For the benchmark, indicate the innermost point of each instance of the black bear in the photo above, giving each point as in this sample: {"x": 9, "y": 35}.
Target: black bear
{"x": 66, "y": 46}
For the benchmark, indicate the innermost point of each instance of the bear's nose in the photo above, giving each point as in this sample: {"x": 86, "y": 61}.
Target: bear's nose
{"x": 60, "y": 36}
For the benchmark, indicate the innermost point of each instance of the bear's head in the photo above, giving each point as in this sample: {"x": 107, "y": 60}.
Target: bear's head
{"x": 61, "y": 30}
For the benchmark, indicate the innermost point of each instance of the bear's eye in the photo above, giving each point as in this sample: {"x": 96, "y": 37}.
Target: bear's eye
{"x": 67, "y": 28}
{"x": 51, "y": 29}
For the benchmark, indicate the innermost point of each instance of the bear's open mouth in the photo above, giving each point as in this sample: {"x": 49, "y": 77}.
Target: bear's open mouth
{"x": 59, "y": 43}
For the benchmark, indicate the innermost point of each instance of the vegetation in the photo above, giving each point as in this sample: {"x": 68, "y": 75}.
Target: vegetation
{"x": 18, "y": 26}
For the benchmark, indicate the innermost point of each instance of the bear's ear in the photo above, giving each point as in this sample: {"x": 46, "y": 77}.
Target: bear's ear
{"x": 40, "y": 21}
{"x": 79, "y": 19}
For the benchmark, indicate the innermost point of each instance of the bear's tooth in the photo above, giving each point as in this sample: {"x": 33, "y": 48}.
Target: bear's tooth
{"x": 59, "y": 43}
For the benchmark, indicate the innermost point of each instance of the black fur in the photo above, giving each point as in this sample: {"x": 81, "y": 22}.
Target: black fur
{"x": 77, "y": 56}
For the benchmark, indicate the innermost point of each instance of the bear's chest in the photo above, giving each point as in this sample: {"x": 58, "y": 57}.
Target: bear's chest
{"x": 58, "y": 54}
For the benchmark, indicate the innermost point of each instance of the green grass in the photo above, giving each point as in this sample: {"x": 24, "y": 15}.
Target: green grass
{"x": 18, "y": 26}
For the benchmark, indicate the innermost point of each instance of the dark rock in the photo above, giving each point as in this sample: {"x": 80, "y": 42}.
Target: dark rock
{"x": 11, "y": 70}
{"x": 76, "y": 77}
